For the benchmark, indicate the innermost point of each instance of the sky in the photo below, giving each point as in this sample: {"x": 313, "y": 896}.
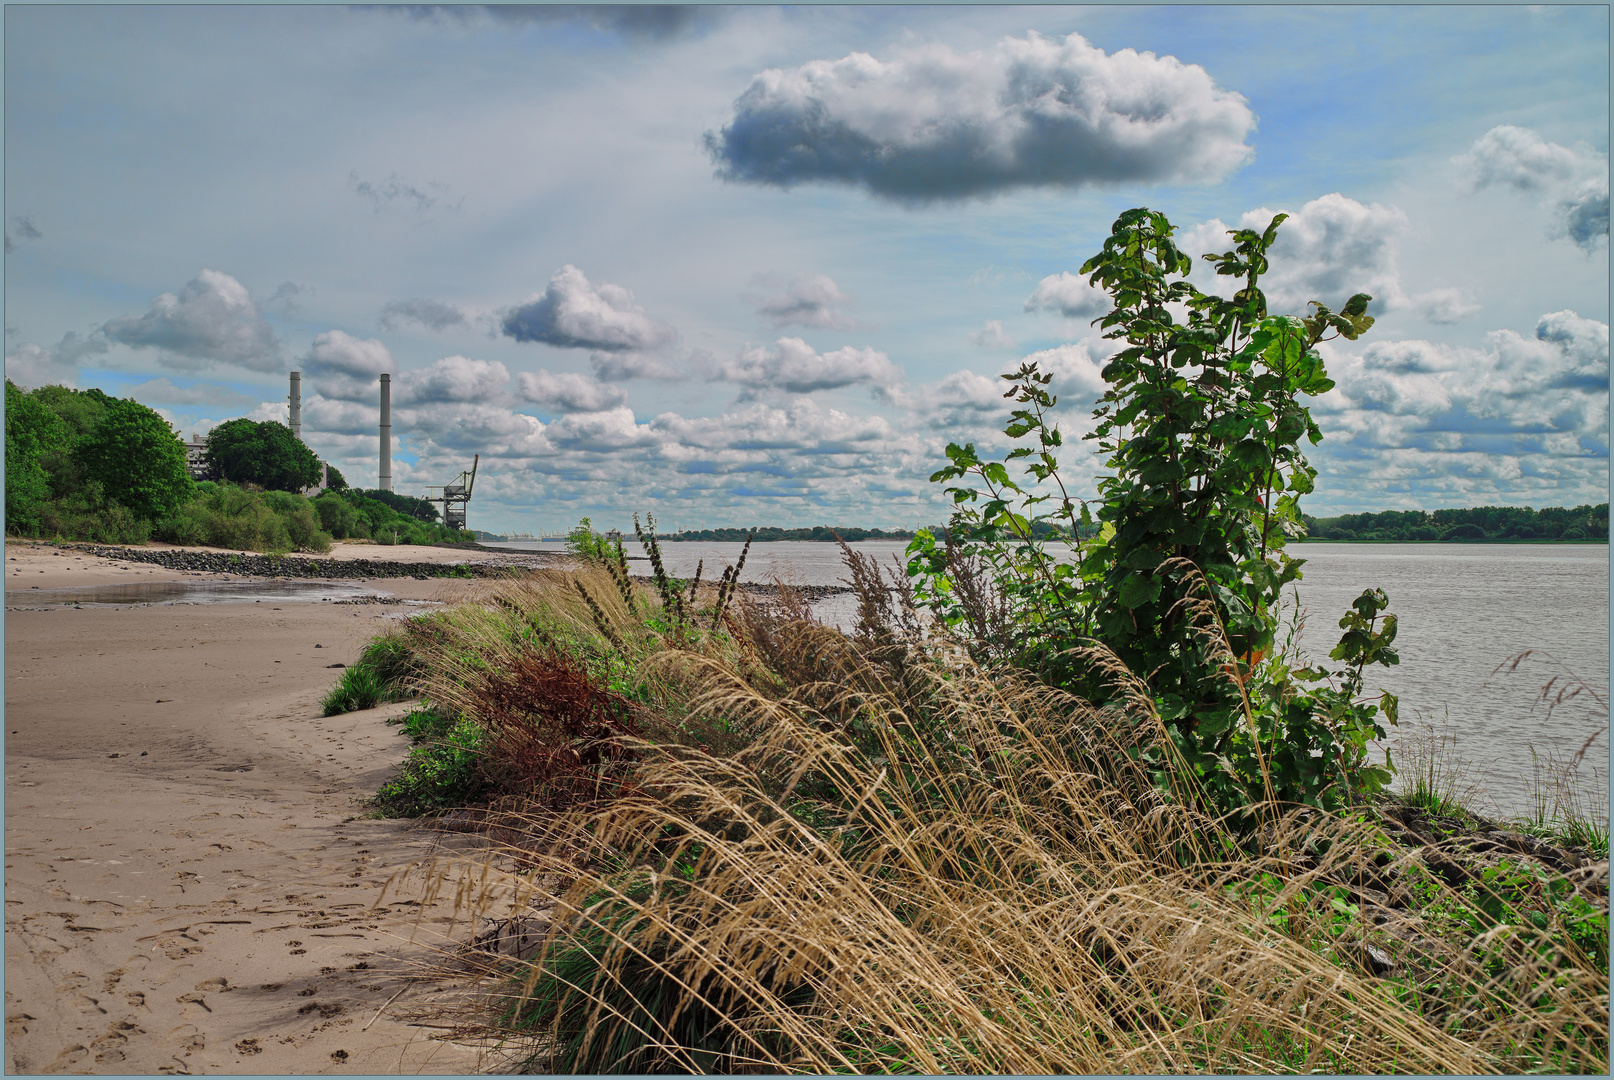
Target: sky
{"x": 760, "y": 265}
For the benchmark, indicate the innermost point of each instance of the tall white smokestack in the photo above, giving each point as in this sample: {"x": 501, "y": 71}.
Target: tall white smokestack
{"x": 385, "y": 479}
{"x": 297, "y": 404}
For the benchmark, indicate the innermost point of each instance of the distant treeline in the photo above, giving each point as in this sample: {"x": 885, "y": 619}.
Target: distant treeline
{"x": 825, "y": 533}
{"x": 1480, "y": 523}
{"x": 765, "y": 534}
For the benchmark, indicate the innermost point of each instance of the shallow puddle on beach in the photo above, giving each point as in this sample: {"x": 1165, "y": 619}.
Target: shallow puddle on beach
{"x": 186, "y": 592}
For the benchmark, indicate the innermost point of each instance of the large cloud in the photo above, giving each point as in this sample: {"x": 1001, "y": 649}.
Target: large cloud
{"x": 344, "y": 367}
{"x": 572, "y": 313}
{"x": 793, "y": 365}
{"x": 806, "y": 300}
{"x": 1574, "y": 178}
{"x": 1327, "y": 250}
{"x": 211, "y": 320}
{"x": 931, "y": 124}
{"x": 569, "y": 392}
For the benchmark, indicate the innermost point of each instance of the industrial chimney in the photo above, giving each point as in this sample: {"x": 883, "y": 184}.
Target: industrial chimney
{"x": 385, "y": 478}
{"x": 297, "y": 404}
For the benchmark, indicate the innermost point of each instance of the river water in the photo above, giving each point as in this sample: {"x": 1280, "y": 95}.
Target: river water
{"x": 1462, "y": 611}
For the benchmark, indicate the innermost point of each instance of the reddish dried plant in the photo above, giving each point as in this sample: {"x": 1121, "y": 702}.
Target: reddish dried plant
{"x": 554, "y": 733}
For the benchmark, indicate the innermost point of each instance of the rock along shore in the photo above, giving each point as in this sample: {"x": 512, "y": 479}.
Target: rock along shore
{"x": 502, "y": 565}
{"x": 285, "y": 566}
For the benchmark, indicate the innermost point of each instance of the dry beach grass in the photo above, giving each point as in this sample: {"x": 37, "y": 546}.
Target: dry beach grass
{"x": 919, "y": 864}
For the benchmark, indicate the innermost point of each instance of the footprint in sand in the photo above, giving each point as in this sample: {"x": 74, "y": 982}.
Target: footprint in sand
{"x": 69, "y": 1057}
{"x": 17, "y": 1024}
{"x": 88, "y": 1005}
{"x": 194, "y": 998}
{"x": 109, "y": 1047}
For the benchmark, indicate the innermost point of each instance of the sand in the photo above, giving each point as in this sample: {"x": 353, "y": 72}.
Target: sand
{"x": 188, "y": 889}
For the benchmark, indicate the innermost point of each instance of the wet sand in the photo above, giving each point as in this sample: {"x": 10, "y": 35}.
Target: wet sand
{"x": 187, "y": 887}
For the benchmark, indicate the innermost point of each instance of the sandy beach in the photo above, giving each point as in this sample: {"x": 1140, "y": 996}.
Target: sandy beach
{"x": 189, "y": 888}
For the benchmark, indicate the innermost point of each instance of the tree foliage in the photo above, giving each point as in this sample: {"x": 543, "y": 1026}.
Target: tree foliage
{"x": 1201, "y": 429}
{"x": 137, "y": 459}
{"x": 406, "y": 505}
{"x": 32, "y": 432}
{"x": 265, "y": 453}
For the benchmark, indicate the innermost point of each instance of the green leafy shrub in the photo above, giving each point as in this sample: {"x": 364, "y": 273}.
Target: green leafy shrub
{"x": 87, "y": 515}
{"x": 439, "y": 774}
{"x": 1201, "y": 426}
{"x": 584, "y": 543}
{"x": 338, "y": 517}
{"x": 232, "y": 516}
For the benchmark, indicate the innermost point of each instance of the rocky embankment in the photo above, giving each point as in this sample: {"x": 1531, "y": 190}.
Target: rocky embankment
{"x": 493, "y": 564}
{"x": 297, "y": 566}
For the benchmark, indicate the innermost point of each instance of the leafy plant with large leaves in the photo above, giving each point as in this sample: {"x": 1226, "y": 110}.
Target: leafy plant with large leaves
{"x": 1201, "y": 428}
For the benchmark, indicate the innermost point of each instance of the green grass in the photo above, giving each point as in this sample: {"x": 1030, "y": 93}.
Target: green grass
{"x": 359, "y": 687}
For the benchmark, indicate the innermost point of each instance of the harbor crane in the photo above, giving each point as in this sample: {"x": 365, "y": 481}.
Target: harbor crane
{"x": 455, "y": 496}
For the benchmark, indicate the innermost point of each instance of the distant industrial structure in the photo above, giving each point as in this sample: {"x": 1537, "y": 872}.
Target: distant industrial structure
{"x": 296, "y": 400}
{"x": 384, "y": 477}
{"x": 454, "y": 497}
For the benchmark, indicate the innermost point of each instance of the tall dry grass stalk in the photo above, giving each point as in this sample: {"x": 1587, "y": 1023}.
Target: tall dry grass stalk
{"x": 935, "y": 867}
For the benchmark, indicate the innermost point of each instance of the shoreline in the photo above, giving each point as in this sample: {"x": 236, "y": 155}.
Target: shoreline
{"x": 191, "y": 886}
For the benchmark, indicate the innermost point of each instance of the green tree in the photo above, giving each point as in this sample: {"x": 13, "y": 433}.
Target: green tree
{"x": 334, "y": 480}
{"x": 264, "y": 453}
{"x": 138, "y": 460}
{"x": 33, "y": 431}
{"x": 79, "y": 411}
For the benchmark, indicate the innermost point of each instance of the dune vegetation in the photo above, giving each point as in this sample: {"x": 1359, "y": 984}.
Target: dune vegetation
{"x": 1029, "y": 815}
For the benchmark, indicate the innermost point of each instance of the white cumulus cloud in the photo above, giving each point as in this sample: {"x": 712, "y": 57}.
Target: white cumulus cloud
{"x": 1575, "y": 179}
{"x": 212, "y": 320}
{"x": 793, "y": 365}
{"x": 932, "y": 124}
{"x": 453, "y": 378}
{"x": 573, "y": 313}
{"x": 1329, "y": 249}
{"x": 569, "y": 392}
{"x": 806, "y": 300}
{"x": 344, "y": 367}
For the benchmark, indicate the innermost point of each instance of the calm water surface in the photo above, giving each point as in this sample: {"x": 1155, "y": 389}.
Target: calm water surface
{"x": 1462, "y": 609}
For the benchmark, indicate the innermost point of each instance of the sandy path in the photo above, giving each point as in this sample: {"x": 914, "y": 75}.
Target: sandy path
{"x": 185, "y": 891}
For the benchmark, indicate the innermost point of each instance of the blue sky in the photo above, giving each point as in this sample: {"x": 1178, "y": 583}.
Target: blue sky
{"x": 759, "y": 265}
